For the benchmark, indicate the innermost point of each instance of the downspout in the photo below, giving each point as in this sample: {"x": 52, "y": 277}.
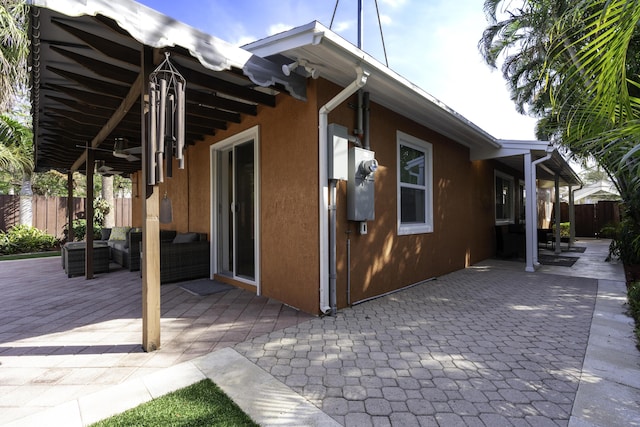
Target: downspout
{"x": 532, "y": 213}
{"x": 328, "y": 225}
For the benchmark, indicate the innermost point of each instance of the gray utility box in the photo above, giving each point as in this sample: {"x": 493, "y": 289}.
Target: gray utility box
{"x": 360, "y": 186}
{"x": 338, "y": 147}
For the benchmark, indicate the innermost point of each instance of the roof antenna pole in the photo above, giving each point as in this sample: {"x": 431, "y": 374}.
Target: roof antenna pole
{"x": 360, "y": 26}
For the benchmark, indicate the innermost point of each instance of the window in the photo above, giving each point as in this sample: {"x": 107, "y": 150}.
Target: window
{"x": 504, "y": 198}
{"x": 415, "y": 188}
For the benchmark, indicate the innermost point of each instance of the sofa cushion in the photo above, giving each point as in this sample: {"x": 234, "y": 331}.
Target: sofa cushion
{"x": 120, "y": 245}
{"x": 167, "y": 235}
{"x": 185, "y": 238}
{"x": 119, "y": 233}
{"x": 131, "y": 230}
{"x": 105, "y": 233}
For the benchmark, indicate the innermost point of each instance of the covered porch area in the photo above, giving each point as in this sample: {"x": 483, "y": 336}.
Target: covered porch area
{"x": 93, "y": 104}
{"x": 539, "y": 166}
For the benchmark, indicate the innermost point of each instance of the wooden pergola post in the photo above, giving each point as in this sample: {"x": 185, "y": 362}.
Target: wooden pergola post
{"x": 150, "y": 262}
{"x": 88, "y": 210}
{"x": 70, "y": 231}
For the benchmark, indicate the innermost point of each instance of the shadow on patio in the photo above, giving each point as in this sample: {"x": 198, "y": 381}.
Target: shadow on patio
{"x": 63, "y": 337}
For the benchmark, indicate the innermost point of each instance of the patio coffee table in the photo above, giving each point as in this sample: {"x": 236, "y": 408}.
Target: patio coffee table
{"x": 73, "y": 257}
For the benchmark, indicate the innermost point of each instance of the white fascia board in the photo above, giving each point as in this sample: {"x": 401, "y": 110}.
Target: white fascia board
{"x": 305, "y": 35}
{"x": 532, "y": 145}
{"x": 497, "y": 153}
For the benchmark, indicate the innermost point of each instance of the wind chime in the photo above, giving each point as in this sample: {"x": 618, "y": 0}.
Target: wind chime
{"x": 166, "y": 121}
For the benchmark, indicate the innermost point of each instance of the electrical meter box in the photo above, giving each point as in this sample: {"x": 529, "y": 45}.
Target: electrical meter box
{"x": 338, "y": 150}
{"x": 360, "y": 186}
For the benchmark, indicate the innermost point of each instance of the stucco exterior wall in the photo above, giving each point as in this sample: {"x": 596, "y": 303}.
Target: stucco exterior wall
{"x": 381, "y": 261}
{"x": 289, "y": 260}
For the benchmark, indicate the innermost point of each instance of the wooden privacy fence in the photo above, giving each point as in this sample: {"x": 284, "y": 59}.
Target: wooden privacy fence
{"x": 590, "y": 219}
{"x": 50, "y": 213}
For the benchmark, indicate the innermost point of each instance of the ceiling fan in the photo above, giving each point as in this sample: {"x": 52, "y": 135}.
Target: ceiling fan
{"x": 104, "y": 169}
{"x": 122, "y": 150}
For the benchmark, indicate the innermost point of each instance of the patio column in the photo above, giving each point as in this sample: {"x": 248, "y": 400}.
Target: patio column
{"x": 88, "y": 211}
{"x": 531, "y": 214}
{"x": 70, "y": 232}
{"x": 150, "y": 263}
{"x": 558, "y": 215}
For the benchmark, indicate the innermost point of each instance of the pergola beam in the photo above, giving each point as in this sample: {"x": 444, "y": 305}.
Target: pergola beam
{"x": 134, "y": 94}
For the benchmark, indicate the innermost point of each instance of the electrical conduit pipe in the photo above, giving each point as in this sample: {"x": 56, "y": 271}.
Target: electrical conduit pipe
{"x": 328, "y": 222}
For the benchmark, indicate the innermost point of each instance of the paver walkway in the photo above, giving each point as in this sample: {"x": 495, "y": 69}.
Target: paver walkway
{"x": 488, "y": 346}
{"x": 471, "y": 348}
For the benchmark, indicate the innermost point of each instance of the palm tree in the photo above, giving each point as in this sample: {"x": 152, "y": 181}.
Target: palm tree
{"x": 519, "y": 38}
{"x": 579, "y": 70}
{"x": 14, "y": 50}
{"x": 16, "y": 158}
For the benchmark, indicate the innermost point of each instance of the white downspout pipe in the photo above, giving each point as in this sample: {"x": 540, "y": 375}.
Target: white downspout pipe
{"x": 323, "y": 182}
{"x": 531, "y": 230}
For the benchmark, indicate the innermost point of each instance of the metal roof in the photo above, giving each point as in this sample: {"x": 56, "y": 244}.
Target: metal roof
{"x": 87, "y": 84}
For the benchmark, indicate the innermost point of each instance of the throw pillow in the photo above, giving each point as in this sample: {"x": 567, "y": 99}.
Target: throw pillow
{"x": 185, "y": 238}
{"x": 105, "y": 233}
{"x": 119, "y": 233}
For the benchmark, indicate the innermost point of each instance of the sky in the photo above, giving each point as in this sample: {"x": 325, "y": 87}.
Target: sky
{"x": 432, "y": 43}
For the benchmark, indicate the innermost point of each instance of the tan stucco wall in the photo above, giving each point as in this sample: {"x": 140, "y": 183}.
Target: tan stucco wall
{"x": 381, "y": 261}
{"x": 289, "y": 261}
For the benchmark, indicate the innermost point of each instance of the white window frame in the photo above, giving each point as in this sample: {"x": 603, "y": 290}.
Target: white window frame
{"x": 425, "y": 147}
{"x": 506, "y": 177}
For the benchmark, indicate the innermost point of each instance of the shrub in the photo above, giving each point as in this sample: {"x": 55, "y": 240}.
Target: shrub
{"x": 565, "y": 229}
{"x": 80, "y": 229}
{"x": 625, "y": 243}
{"x": 25, "y": 239}
{"x": 633, "y": 295}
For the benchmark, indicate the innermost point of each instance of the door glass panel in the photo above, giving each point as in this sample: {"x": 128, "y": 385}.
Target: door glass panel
{"x": 244, "y": 203}
{"x": 225, "y": 229}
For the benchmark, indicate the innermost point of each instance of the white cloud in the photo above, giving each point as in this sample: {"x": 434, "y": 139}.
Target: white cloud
{"x": 278, "y": 28}
{"x": 342, "y": 26}
{"x": 244, "y": 40}
{"x": 386, "y": 20}
{"x": 394, "y": 3}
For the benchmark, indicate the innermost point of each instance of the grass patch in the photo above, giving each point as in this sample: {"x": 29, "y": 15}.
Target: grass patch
{"x": 29, "y": 255}
{"x": 200, "y": 404}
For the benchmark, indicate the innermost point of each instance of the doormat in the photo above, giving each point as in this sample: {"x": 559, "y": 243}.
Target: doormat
{"x": 579, "y": 249}
{"x": 560, "y": 261}
{"x": 204, "y": 287}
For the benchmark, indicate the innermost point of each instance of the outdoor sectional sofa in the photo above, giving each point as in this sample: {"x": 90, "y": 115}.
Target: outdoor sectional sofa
{"x": 183, "y": 256}
{"x": 124, "y": 246}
